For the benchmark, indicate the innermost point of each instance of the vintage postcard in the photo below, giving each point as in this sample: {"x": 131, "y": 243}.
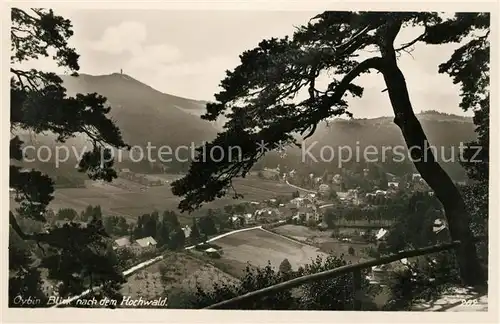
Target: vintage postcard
{"x": 191, "y": 161}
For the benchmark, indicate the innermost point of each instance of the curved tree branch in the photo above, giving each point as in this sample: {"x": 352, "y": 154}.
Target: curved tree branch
{"x": 342, "y": 87}
{"x": 38, "y": 237}
{"x": 413, "y": 42}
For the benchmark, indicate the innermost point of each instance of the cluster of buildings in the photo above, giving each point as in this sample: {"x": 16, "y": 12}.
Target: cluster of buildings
{"x": 305, "y": 208}
{"x": 259, "y": 215}
{"x": 138, "y": 245}
{"x": 142, "y": 243}
{"x": 328, "y": 183}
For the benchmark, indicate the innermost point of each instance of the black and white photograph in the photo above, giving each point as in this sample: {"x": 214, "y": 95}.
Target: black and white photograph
{"x": 298, "y": 160}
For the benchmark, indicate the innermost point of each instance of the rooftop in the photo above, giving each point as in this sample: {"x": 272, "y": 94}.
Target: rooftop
{"x": 123, "y": 241}
{"x": 146, "y": 241}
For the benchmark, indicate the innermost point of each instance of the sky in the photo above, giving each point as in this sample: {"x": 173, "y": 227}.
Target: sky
{"x": 186, "y": 53}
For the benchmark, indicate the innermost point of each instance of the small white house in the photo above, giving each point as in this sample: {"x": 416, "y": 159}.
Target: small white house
{"x": 416, "y": 177}
{"x": 122, "y": 242}
{"x": 381, "y": 233}
{"x": 324, "y": 189}
{"x": 146, "y": 242}
{"x": 187, "y": 231}
{"x": 438, "y": 226}
{"x": 213, "y": 252}
{"x": 393, "y": 184}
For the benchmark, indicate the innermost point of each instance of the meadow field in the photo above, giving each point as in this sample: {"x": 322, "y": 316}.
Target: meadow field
{"x": 258, "y": 247}
{"x": 130, "y": 199}
{"x": 324, "y": 241}
{"x": 183, "y": 273}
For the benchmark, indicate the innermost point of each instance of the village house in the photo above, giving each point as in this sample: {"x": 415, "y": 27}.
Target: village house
{"x": 187, "y": 231}
{"x": 213, "y": 253}
{"x": 370, "y": 194}
{"x": 324, "y": 189}
{"x": 266, "y": 213}
{"x": 351, "y": 196}
{"x": 381, "y": 234}
{"x": 393, "y": 185}
{"x": 342, "y": 195}
{"x": 323, "y": 226}
{"x": 306, "y": 213}
{"x": 337, "y": 179}
{"x": 272, "y": 202}
{"x": 145, "y": 242}
{"x": 250, "y": 219}
{"x": 121, "y": 242}
{"x": 416, "y": 177}
{"x": 235, "y": 219}
{"x": 297, "y": 202}
{"x": 275, "y": 170}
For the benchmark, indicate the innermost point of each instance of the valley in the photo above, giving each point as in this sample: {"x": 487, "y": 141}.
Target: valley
{"x": 130, "y": 199}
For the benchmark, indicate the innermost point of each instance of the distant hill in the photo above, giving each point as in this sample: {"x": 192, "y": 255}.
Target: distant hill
{"x": 445, "y": 132}
{"x": 145, "y": 115}
{"x": 441, "y": 129}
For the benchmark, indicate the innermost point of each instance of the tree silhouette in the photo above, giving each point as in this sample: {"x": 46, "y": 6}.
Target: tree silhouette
{"x": 171, "y": 218}
{"x": 285, "y": 266}
{"x": 194, "y": 236}
{"x": 257, "y": 97}
{"x": 476, "y": 163}
{"x": 177, "y": 238}
{"x": 39, "y": 104}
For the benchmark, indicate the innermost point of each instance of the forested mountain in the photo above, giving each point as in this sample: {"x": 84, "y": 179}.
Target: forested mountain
{"x": 145, "y": 115}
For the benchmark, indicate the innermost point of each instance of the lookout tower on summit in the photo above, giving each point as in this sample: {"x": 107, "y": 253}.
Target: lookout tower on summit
{"x": 121, "y": 71}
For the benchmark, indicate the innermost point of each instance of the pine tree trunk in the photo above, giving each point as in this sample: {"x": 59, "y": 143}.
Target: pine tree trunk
{"x": 445, "y": 190}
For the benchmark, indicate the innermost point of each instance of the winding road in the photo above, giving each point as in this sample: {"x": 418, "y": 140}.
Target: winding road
{"x": 299, "y": 188}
